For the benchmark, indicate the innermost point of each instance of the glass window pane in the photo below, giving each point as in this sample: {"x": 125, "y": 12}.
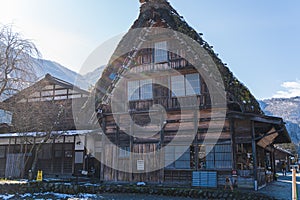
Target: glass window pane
{"x": 160, "y": 53}
{"x": 177, "y": 84}
{"x": 78, "y": 157}
{"x": 133, "y": 90}
{"x": 124, "y": 152}
{"x": 192, "y": 84}
{"x": 2, "y": 151}
{"x": 146, "y": 89}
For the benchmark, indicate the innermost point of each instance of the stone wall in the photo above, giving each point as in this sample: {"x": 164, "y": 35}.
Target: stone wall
{"x": 69, "y": 188}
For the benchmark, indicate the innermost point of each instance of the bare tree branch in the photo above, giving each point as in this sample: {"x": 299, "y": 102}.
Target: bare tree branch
{"x": 16, "y": 61}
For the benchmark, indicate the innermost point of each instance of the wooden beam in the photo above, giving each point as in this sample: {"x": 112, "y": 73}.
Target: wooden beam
{"x": 131, "y": 148}
{"x": 63, "y": 155}
{"x": 161, "y": 149}
{"x": 117, "y": 143}
{"x": 254, "y": 155}
{"x": 103, "y": 139}
{"x": 196, "y": 150}
{"x": 233, "y": 144}
{"x": 73, "y": 155}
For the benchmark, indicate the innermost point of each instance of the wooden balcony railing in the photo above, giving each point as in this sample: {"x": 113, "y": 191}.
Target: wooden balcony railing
{"x": 168, "y": 103}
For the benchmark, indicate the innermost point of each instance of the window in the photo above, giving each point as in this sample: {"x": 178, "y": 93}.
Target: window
{"x": 78, "y": 157}
{"x": 2, "y": 151}
{"x": 185, "y": 85}
{"x": 5, "y": 117}
{"x": 192, "y": 84}
{"x": 177, "y": 84}
{"x": 57, "y": 154}
{"x": 133, "y": 90}
{"x": 173, "y": 153}
{"x": 124, "y": 152}
{"x": 160, "y": 53}
{"x": 45, "y": 152}
{"x": 140, "y": 89}
{"x": 219, "y": 157}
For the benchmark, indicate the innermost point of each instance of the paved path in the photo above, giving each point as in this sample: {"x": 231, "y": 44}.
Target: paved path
{"x": 282, "y": 188}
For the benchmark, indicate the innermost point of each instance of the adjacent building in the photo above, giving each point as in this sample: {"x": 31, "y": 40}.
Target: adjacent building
{"x": 41, "y": 133}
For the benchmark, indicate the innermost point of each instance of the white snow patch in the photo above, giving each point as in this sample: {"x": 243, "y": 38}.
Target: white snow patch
{"x": 6, "y": 196}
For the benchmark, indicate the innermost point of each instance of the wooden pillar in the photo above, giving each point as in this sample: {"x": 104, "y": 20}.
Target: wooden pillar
{"x": 73, "y": 154}
{"x": 273, "y": 161}
{"x": 254, "y": 155}
{"x": 102, "y": 166}
{"x": 196, "y": 143}
{"x": 117, "y": 140}
{"x": 233, "y": 144}
{"x": 52, "y": 153}
{"x": 294, "y": 185}
{"x": 161, "y": 149}
{"x": 131, "y": 148}
{"x": 85, "y": 151}
{"x": 63, "y": 155}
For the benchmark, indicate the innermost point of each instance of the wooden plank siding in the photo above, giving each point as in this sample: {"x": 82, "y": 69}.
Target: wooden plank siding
{"x": 117, "y": 133}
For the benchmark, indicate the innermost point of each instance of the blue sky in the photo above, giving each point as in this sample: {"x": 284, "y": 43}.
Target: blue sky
{"x": 259, "y": 40}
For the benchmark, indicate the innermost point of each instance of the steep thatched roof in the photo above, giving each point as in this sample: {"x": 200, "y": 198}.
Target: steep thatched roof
{"x": 156, "y": 12}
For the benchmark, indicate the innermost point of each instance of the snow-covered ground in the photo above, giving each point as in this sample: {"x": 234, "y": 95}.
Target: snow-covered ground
{"x": 58, "y": 196}
{"x": 50, "y": 195}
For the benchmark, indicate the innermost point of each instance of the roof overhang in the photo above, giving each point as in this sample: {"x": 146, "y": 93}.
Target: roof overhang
{"x": 269, "y": 129}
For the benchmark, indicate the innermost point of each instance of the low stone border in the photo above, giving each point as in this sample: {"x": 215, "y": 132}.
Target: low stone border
{"x": 68, "y": 188}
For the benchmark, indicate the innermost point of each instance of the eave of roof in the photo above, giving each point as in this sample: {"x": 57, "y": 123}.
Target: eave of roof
{"x": 48, "y": 79}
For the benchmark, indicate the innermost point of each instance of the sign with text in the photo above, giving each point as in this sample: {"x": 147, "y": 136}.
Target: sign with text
{"x": 140, "y": 165}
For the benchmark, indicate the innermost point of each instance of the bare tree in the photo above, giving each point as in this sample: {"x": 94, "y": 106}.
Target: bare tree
{"x": 36, "y": 120}
{"x": 16, "y": 61}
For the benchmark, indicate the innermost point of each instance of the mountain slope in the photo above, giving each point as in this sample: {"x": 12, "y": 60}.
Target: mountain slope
{"x": 42, "y": 67}
{"x": 92, "y": 77}
{"x": 289, "y": 110}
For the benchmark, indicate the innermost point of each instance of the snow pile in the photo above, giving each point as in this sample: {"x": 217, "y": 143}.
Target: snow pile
{"x": 50, "y": 195}
{"x": 6, "y": 196}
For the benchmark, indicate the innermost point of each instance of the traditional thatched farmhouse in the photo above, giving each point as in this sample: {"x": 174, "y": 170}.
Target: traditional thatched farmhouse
{"x": 172, "y": 112}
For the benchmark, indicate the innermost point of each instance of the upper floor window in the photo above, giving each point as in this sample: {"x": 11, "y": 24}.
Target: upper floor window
{"x": 185, "y": 85}
{"x": 140, "y": 89}
{"x": 124, "y": 152}
{"x": 160, "y": 52}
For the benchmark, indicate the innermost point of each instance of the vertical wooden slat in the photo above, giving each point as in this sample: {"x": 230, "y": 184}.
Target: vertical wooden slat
{"x": 233, "y": 143}
{"x": 52, "y": 154}
{"x": 103, "y": 149}
{"x": 63, "y": 155}
{"x": 117, "y": 138}
{"x": 161, "y": 149}
{"x": 73, "y": 155}
{"x": 131, "y": 144}
{"x": 254, "y": 155}
{"x": 196, "y": 142}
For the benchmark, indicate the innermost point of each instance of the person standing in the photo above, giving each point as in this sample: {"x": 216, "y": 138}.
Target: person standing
{"x": 283, "y": 168}
{"x": 228, "y": 183}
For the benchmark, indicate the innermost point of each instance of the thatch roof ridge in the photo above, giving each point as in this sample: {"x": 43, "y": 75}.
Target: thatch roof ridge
{"x": 156, "y": 10}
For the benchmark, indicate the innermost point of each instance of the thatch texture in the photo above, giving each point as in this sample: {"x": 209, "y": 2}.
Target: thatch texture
{"x": 159, "y": 13}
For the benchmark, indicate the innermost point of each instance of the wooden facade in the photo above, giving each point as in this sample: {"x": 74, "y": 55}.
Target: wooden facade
{"x": 144, "y": 105}
{"x": 41, "y": 123}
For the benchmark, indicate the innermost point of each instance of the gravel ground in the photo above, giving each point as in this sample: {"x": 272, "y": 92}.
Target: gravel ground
{"x": 282, "y": 188}
{"x": 140, "y": 197}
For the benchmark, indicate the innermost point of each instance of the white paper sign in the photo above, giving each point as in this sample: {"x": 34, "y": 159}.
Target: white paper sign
{"x": 140, "y": 165}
